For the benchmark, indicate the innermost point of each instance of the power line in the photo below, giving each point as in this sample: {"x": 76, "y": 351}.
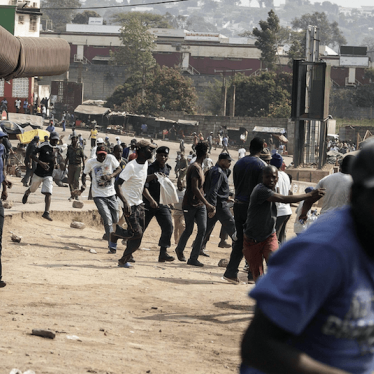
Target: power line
{"x": 118, "y": 6}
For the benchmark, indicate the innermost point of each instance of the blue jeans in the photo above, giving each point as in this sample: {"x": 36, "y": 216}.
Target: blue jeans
{"x": 192, "y": 214}
{"x": 107, "y": 207}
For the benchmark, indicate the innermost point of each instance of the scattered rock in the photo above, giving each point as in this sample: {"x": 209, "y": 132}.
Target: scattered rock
{"x": 43, "y": 333}
{"x": 15, "y": 371}
{"x": 78, "y": 204}
{"x": 29, "y": 372}
{"x": 77, "y": 225}
{"x": 154, "y": 307}
{"x": 223, "y": 263}
{"x": 7, "y": 204}
{"x": 93, "y": 251}
{"x": 15, "y": 238}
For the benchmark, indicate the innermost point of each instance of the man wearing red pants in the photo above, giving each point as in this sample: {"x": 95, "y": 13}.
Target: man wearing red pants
{"x": 260, "y": 238}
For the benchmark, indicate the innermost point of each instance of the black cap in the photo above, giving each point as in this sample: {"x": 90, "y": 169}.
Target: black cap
{"x": 225, "y": 156}
{"x": 163, "y": 149}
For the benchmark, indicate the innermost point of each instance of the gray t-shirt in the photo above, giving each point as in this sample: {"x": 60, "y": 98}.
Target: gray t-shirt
{"x": 338, "y": 187}
{"x": 262, "y": 214}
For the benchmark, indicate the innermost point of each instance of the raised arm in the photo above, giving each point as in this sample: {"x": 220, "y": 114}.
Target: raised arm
{"x": 315, "y": 195}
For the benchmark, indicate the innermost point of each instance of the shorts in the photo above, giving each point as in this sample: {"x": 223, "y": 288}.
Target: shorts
{"x": 47, "y": 186}
{"x": 255, "y": 252}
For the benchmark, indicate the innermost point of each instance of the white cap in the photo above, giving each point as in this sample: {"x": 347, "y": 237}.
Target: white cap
{"x": 100, "y": 140}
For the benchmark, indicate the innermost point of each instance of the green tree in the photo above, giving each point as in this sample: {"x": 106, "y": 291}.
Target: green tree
{"x": 368, "y": 41}
{"x": 267, "y": 39}
{"x": 264, "y": 95}
{"x": 297, "y": 49}
{"x": 329, "y": 33}
{"x": 364, "y": 96}
{"x": 166, "y": 89}
{"x": 82, "y": 18}
{"x": 148, "y": 20}
{"x": 213, "y": 96}
{"x": 54, "y": 10}
{"x": 136, "y": 50}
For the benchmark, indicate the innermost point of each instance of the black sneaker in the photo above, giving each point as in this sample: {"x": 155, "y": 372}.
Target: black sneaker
{"x": 224, "y": 245}
{"x": 123, "y": 234}
{"x": 112, "y": 251}
{"x": 180, "y": 256}
{"x": 124, "y": 260}
{"x": 25, "y": 197}
{"x": 203, "y": 253}
{"x": 47, "y": 216}
{"x": 194, "y": 263}
{"x": 131, "y": 259}
{"x": 2, "y": 284}
{"x": 165, "y": 257}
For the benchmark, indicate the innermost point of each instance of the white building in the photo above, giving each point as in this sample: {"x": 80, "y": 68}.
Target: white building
{"x": 21, "y": 18}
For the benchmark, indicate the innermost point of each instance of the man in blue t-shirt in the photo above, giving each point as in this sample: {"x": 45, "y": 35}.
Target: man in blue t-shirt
{"x": 315, "y": 306}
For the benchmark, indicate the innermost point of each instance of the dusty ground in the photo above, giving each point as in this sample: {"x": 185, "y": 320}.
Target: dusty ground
{"x": 153, "y": 318}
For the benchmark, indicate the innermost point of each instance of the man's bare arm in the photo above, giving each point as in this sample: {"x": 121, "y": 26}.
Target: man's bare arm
{"x": 287, "y": 199}
{"x": 126, "y": 207}
{"x": 196, "y": 191}
{"x": 265, "y": 348}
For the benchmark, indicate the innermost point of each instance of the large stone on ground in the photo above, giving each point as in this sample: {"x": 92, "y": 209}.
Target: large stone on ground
{"x": 223, "y": 263}
{"x": 78, "y": 204}
{"x": 77, "y": 225}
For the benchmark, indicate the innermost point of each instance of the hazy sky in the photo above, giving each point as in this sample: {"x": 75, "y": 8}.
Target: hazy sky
{"x": 347, "y": 3}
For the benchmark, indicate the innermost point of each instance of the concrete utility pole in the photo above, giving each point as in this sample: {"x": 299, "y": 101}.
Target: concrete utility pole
{"x": 312, "y": 55}
{"x": 224, "y": 90}
{"x": 224, "y": 96}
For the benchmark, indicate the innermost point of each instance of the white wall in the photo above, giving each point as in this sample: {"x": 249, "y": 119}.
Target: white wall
{"x": 23, "y": 29}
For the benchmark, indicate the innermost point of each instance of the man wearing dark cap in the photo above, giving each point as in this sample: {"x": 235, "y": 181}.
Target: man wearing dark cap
{"x": 104, "y": 169}
{"x": 151, "y": 198}
{"x": 265, "y": 156}
{"x": 129, "y": 187}
{"x": 128, "y": 150}
{"x": 315, "y": 310}
{"x": 74, "y": 161}
{"x": 30, "y": 164}
{"x": 4, "y": 195}
{"x": 217, "y": 192}
{"x": 43, "y": 172}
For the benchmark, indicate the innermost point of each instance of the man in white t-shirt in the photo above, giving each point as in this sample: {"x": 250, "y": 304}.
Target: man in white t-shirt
{"x": 241, "y": 153}
{"x": 104, "y": 168}
{"x": 284, "y": 211}
{"x": 129, "y": 187}
{"x": 337, "y": 185}
{"x": 17, "y": 104}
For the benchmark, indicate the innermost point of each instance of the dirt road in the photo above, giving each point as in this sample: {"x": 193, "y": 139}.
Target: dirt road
{"x": 153, "y": 318}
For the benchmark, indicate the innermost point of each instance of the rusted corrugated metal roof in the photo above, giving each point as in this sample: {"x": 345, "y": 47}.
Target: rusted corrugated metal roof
{"x": 91, "y": 109}
{"x": 274, "y": 130}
